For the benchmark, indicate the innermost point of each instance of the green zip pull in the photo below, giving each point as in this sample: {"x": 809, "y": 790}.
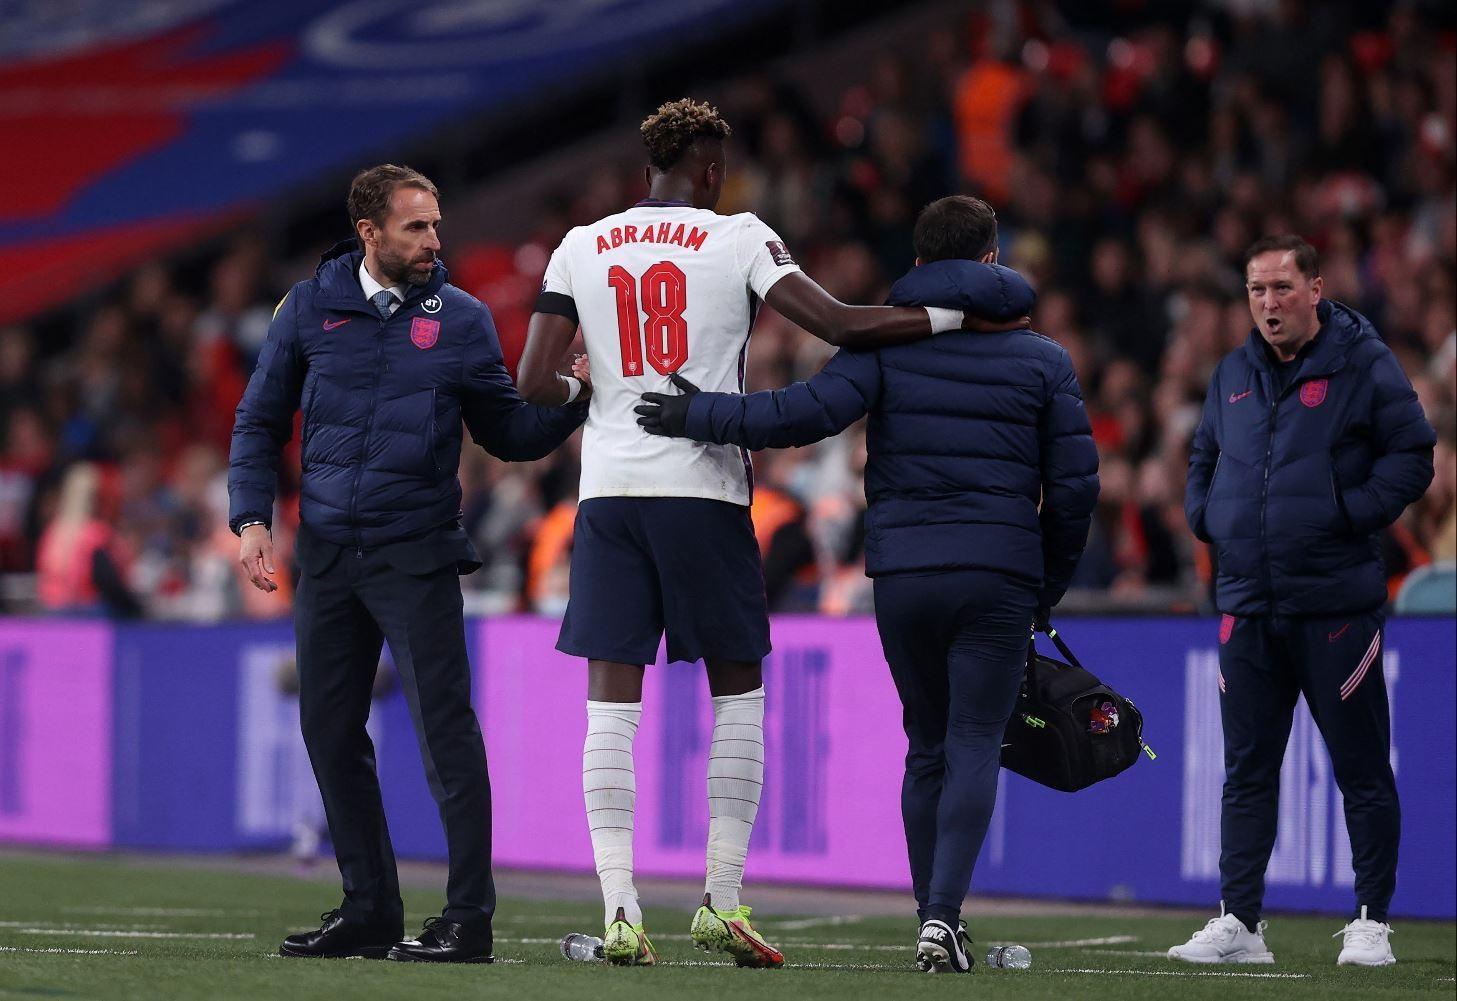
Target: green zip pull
{"x": 1149, "y": 751}
{"x": 1033, "y": 721}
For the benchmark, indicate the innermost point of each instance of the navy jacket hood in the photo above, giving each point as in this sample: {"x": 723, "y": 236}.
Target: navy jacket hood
{"x": 988, "y": 290}
{"x": 1341, "y": 330}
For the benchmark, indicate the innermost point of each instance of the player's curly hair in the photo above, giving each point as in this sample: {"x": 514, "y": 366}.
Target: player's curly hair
{"x": 669, "y": 131}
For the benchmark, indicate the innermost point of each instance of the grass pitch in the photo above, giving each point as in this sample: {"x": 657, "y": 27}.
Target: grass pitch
{"x": 119, "y": 927}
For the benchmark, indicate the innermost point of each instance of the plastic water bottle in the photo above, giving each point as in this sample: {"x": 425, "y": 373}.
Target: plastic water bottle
{"x": 584, "y": 948}
{"x": 1009, "y": 957}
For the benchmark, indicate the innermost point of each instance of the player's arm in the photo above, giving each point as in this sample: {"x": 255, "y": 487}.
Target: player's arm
{"x": 771, "y": 272}
{"x": 800, "y": 300}
{"x": 548, "y": 336}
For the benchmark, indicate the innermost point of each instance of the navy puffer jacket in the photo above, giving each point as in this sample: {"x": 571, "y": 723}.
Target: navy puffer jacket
{"x": 382, "y": 407}
{"x": 980, "y": 454}
{"x": 1292, "y": 487}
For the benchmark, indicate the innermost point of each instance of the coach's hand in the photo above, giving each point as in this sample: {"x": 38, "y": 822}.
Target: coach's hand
{"x": 666, "y": 415}
{"x": 981, "y": 326}
{"x": 257, "y": 557}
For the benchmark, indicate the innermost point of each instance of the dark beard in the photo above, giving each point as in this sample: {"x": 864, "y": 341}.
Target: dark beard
{"x": 399, "y": 272}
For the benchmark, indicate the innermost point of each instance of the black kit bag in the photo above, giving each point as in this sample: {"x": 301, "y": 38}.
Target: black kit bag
{"x": 1069, "y": 730}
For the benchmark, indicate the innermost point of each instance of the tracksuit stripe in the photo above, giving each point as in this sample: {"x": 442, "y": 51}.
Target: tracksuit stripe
{"x": 1354, "y": 681}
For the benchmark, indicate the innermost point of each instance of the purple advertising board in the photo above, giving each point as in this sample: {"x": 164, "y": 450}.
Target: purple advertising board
{"x": 833, "y": 750}
{"x": 208, "y": 751}
{"x": 55, "y": 732}
{"x": 830, "y": 812}
{"x": 186, "y": 739}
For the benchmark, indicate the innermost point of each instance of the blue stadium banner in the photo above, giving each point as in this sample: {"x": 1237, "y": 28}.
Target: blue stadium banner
{"x": 143, "y": 125}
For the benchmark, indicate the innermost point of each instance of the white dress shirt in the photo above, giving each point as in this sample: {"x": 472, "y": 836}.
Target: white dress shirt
{"x": 372, "y": 287}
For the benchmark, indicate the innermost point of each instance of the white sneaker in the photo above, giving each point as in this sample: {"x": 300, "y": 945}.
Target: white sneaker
{"x": 1225, "y": 939}
{"x": 1366, "y": 943}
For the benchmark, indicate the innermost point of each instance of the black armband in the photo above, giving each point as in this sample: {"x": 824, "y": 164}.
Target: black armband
{"x": 558, "y": 305}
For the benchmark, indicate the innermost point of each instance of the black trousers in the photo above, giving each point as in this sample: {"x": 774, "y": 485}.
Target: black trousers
{"x": 1265, "y": 664}
{"x": 956, "y": 644}
{"x": 348, "y": 603}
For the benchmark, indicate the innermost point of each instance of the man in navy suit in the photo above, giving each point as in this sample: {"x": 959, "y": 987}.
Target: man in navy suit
{"x": 385, "y": 359}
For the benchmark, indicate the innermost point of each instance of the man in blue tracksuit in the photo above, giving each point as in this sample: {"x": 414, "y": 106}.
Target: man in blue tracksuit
{"x": 981, "y": 482}
{"x": 385, "y": 359}
{"x": 1312, "y": 442}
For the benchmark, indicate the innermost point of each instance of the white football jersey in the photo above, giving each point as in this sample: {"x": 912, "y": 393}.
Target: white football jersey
{"x": 664, "y": 288}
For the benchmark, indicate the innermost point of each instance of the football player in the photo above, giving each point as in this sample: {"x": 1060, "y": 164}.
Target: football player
{"x": 663, "y": 540}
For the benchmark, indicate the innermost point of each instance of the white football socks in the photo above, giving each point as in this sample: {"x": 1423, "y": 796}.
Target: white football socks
{"x": 735, "y": 780}
{"x": 609, "y": 786}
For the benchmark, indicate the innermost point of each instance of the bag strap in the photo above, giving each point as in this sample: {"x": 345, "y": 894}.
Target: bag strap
{"x": 1062, "y": 647}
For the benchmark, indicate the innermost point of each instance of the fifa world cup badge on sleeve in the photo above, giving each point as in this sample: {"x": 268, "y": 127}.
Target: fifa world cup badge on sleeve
{"x": 779, "y": 252}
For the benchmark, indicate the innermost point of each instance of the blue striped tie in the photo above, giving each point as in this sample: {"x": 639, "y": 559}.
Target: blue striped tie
{"x": 385, "y": 301}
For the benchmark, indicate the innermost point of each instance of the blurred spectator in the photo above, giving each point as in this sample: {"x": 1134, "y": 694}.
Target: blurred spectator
{"x": 1132, "y": 151}
{"x": 82, "y": 564}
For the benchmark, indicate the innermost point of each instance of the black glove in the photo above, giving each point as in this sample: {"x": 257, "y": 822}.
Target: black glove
{"x": 666, "y": 415}
{"x": 1042, "y": 620}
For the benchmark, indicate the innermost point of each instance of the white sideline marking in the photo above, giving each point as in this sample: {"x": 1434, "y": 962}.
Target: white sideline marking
{"x": 804, "y": 923}
{"x": 107, "y": 933}
{"x": 528, "y": 919}
{"x": 792, "y": 966}
{"x": 851, "y": 966}
{"x": 163, "y": 912}
{"x": 71, "y": 952}
{"x": 871, "y": 947}
{"x": 1180, "y": 973}
{"x": 1124, "y": 952}
{"x": 63, "y": 926}
{"x": 828, "y": 946}
{"x": 348, "y": 959}
{"x": 1075, "y": 943}
{"x": 875, "y": 947}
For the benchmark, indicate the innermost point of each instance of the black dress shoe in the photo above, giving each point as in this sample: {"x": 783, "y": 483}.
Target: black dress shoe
{"x": 337, "y": 939}
{"x": 445, "y": 941}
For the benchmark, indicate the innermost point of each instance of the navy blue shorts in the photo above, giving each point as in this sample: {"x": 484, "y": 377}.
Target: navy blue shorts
{"x": 643, "y": 566}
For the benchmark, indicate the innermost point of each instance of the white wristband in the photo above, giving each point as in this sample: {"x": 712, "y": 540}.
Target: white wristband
{"x": 574, "y": 388}
{"x": 943, "y": 320}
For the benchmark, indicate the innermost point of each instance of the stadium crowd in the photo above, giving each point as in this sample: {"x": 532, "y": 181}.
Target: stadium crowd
{"x": 1131, "y": 166}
